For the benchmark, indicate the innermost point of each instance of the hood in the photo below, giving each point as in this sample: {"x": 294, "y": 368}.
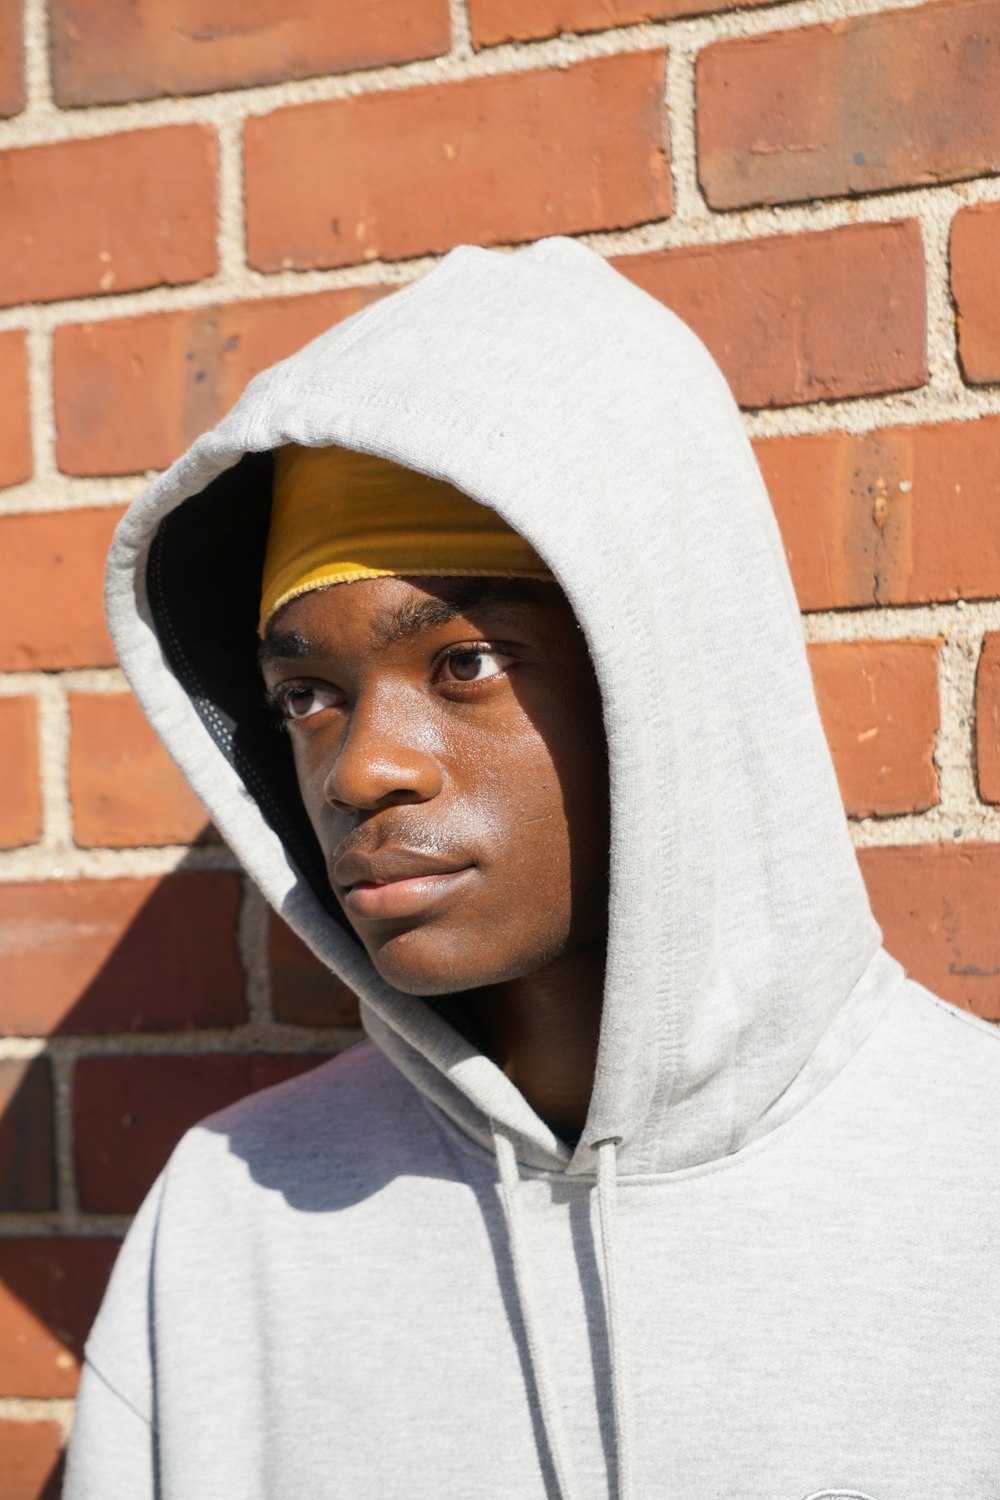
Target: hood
{"x": 743, "y": 958}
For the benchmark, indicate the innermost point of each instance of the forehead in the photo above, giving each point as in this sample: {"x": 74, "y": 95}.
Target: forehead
{"x": 387, "y": 611}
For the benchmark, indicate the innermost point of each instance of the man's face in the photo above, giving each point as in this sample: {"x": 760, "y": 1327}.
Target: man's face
{"x": 450, "y": 754}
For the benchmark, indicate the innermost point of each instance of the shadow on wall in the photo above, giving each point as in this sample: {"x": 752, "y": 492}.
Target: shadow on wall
{"x": 141, "y": 987}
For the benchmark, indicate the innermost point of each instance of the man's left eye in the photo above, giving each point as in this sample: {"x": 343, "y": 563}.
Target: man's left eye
{"x": 473, "y": 666}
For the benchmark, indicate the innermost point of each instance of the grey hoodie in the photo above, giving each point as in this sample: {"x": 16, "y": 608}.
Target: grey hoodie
{"x": 768, "y": 1270}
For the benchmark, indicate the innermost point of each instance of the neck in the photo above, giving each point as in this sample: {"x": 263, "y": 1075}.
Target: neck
{"x": 542, "y": 1031}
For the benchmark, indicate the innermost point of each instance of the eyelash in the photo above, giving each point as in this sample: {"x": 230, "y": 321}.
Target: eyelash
{"x": 277, "y": 697}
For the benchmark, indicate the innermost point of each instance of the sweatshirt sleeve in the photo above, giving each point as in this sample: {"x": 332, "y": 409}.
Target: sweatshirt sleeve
{"x": 111, "y": 1453}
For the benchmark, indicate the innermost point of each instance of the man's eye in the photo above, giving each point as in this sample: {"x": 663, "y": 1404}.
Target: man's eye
{"x": 302, "y": 701}
{"x": 473, "y": 666}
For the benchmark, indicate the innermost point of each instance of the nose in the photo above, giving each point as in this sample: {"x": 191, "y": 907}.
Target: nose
{"x": 385, "y": 758}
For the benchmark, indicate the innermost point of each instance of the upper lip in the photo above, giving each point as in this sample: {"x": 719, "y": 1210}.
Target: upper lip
{"x": 391, "y": 863}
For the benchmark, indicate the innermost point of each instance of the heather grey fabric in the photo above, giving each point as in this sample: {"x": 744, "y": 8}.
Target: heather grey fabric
{"x": 792, "y": 1290}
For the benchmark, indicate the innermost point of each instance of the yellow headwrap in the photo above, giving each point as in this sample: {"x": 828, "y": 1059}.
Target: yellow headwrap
{"x": 338, "y": 516}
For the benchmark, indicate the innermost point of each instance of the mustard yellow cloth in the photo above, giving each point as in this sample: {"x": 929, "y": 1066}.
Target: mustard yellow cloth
{"x": 339, "y": 516}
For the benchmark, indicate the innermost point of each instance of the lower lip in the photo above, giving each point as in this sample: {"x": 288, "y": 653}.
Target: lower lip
{"x": 403, "y": 898}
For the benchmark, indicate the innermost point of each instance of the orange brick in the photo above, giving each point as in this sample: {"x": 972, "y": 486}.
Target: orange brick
{"x": 988, "y": 718}
{"x": 881, "y": 712}
{"x": 50, "y": 1290}
{"x": 20, "y": 791}
{"x": 937, "y": 905}
{"x": 15, "y": 430}
{"x": 124, "y": 788}
{"x": 805, "y": 317}
{"x": 906, "y": 515}
{"x": 108, "y": 51}
{"x": 975, "y": 284}
{"x": 303, "y": 991}
{"x": 141, "y": 205}
{"x": 496, "y": 21}
{"x": 409, "y": 171}
{"x": 30, "y": 1459}
{"x": 90, "y": 956}
{"x": 129, "y": 1113}
{"x": 874, "y": 102}
{"x": 27, "y": 1165}
{"x": 51, "y": 608}
{"x": 11, "y": 58}
{"x": 133, "y": 393}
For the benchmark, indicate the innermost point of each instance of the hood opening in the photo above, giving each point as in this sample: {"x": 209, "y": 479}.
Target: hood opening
{"x": 203, "y": 580}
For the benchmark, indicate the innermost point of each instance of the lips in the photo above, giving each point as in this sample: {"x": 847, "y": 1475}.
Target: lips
{"x": 396, "y": 882}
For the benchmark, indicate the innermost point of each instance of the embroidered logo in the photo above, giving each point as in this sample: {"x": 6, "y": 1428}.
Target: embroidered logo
{"x": 837, "y": 1495}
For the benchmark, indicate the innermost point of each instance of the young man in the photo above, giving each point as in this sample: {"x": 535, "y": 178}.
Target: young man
{"x": 660, "y": 1178}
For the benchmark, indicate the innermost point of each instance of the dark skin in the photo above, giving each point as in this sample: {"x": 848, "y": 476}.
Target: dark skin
{"x": 450, "y": 754}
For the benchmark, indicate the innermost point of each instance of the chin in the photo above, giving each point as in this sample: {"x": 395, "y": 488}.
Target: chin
{"x": 419, "y": 963}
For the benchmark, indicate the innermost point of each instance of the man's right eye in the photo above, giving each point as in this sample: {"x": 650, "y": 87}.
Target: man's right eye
{"x": 302, "y": 701}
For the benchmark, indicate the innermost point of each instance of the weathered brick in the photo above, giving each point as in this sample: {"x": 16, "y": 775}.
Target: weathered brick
{"x": 30, "y": 1459}
{"x": 11, "y": 58}
{"x": 51, "y": 605}
{"x": 407, "y": 171}
{"x": 133, "y": 393}
{"x": 937, "y": 905}
{"x": 496, "y": 21}
{"x": 881, "y": 711}
{"x": 156, "y": 954}
{"x": 804, "y": 317}
{"x": 303, "y": 991}
{"x": 975, "y": 285}
{"x": 108, "y": 51}
{"x": 988, "y": 718}
{"x": 27, "y": 1169}
{"x": 129, "y": 1113}
{"x": 20, "y": 790}
{"x": 141, "y": 205}
{"x": 906, "y": 515}
{"x": 15, "y": 430}
{"x": 124, "y": 788}
{"x": 50, "y": 1290}
{"x": 874, "y": 102}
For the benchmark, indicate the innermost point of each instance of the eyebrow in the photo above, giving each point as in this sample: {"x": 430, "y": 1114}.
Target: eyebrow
{"x": 454, "y": 598}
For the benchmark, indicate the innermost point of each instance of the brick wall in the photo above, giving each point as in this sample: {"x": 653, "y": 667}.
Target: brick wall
{"x": 185, "y": 198}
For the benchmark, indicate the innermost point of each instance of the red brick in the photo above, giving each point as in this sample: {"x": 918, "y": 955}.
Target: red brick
{"x": 496, "y": 21}
{"x": 303, "y": 991}
{"x": 874, "y": 102}
{"x": 906, "y": 515}
{"x": 51, "y": 606}
{"x": 975, "y": 285}
{"x": 408, "y": 171}
{"x": 988, "y": 718}
{"x": 20, "y": 791}
{"x": 15, "y": 431}
{"x": 108, "y": 51}
{"x": 27, "y": 1169}
{"x": 82, "y": 956}
{"x": 129, "y": 1113}
{"x": 937, "y": 905}
{"x": 30, "y": 1459}
{"x": 133, "y": 393}
{"x": 881, "y": 711}
{"x": 804, "y": 317}
{"x": 124, "y": 788}
{"x": 141, "y": 206}
{"x": 50, "y": 1290}
{"x": 11, "y": 58}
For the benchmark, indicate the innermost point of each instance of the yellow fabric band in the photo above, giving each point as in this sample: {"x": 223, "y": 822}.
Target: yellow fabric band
{"x": 339, "y": 516}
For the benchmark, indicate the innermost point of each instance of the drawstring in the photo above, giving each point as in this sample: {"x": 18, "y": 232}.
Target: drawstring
{"x": 607, "y": 1205}
{"x": 607, "y": 1210}
{"x": 551, "y": 1420}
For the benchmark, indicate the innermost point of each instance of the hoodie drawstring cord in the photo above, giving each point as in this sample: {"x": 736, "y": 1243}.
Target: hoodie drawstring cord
{"x": 607, "y": 1210}
{"x": 607, "y": 1207}
{"x": 555, "y": 1434}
